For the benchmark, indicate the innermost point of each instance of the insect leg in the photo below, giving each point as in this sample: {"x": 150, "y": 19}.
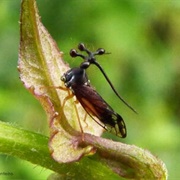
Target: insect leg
{"x": 70, "y": 95}
{"x": 102, "y": 125}
{"x": 75, "y": 107}
{"x": 64, "y": 101}
{"x": 85, "y": 116}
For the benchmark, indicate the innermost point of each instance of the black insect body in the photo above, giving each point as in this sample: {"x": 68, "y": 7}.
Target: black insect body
{"x": 77, "y": 80}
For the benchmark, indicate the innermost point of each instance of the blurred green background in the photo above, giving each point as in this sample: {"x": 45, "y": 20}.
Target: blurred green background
{"x": 143, "y": 37}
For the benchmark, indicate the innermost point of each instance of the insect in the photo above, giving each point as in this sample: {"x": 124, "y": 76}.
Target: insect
{"x": 77, "y": 81}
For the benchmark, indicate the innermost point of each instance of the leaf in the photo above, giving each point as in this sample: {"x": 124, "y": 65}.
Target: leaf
{"x": 41, "y": 66}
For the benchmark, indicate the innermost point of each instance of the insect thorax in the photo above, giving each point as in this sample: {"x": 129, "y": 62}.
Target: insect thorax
{"x": 75, "y": 76}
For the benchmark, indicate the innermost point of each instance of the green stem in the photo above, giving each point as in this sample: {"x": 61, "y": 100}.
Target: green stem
{"x": 33, "y": 147}
{"x": 25, "y": 145}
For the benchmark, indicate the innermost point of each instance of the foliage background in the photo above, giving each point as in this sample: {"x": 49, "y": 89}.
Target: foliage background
{"x": 143, "y": 37}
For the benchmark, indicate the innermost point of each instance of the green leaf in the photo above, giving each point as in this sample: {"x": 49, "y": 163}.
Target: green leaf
{"x": 41, "y": 66}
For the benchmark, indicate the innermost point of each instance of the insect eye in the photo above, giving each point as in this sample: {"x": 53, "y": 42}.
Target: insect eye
{"x": 63, "y": 78}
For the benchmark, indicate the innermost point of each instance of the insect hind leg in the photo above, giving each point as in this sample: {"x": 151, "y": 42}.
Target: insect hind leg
{"x": 71, "y": 95}
{"x": 68, "y": 97}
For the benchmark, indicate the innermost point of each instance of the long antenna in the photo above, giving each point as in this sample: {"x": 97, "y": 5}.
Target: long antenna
{"x": 112, "y": 87}
{"x": 92, "y": 60}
